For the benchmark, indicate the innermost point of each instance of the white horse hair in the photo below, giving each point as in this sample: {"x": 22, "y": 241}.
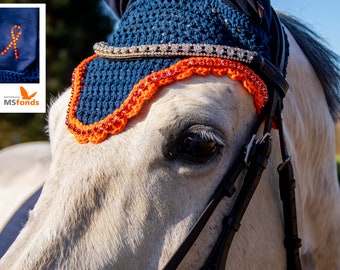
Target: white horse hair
{"x": 125, "y": 204}
{"x": 23, "y": 168}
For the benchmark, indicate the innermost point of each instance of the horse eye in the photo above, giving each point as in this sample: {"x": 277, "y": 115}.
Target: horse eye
{"x": 194, "y": 148}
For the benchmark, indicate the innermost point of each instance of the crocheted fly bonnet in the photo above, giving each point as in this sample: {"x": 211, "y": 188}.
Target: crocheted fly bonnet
{"x": 159, "y": 42}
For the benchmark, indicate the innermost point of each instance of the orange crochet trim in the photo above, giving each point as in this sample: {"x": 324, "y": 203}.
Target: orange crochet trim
{"x": 145, "y": 88}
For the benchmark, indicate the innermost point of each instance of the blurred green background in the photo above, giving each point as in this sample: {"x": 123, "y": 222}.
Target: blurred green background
{"x": 72, "y": 27}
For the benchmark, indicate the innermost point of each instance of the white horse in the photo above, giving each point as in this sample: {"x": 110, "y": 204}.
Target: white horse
{"x": 23, "y": 171}
{"x": 129, "y": 202}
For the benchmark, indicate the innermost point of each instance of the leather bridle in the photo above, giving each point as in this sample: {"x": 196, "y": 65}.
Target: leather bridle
{"x": 253, "y": 158}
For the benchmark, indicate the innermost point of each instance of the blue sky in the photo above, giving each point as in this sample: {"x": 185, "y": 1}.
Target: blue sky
{"x": 322, "y": 16}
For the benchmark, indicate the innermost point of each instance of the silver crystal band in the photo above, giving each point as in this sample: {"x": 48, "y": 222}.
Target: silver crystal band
{"x": 173, "y": 50}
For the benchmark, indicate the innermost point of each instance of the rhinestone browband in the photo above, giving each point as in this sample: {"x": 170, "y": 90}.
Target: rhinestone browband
{"x": 173, "y": 50}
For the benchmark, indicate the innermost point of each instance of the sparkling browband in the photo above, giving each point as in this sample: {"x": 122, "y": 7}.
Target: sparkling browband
{"x": 173, "y": 50}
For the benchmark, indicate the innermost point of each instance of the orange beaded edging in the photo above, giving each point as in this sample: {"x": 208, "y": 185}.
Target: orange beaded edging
{"x": 15, "y": 38}
{"x": 146, "y": 87}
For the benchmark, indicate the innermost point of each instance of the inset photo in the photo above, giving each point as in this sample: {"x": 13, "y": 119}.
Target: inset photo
{"x": 22, "y": 57}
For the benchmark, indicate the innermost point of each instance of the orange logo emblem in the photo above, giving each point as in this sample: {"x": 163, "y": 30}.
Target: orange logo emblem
{"x": 25, "y": 95}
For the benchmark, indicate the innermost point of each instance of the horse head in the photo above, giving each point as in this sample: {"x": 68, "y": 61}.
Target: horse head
{"x": 153, "y": 122}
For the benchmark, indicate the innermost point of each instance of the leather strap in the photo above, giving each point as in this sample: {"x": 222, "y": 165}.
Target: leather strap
{"x": 257, "y": 163}
{"x": 232, "y": 222}
{"x": 287, "y": 193}
{"x": 272, "y": 74}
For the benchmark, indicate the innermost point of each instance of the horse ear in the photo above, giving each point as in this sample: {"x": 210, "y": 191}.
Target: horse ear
{"x": 119, "y": 6}
{"x": 258, "y": 10}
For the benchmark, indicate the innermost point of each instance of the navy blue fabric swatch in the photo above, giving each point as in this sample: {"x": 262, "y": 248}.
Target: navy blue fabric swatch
{"x": 19, "y": 45}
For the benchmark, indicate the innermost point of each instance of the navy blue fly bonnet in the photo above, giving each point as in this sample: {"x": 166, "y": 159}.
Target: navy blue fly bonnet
{"x": 148, "y": 49}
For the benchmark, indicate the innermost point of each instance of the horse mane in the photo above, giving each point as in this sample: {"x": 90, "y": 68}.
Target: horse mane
{"x": 324, "y": 61}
